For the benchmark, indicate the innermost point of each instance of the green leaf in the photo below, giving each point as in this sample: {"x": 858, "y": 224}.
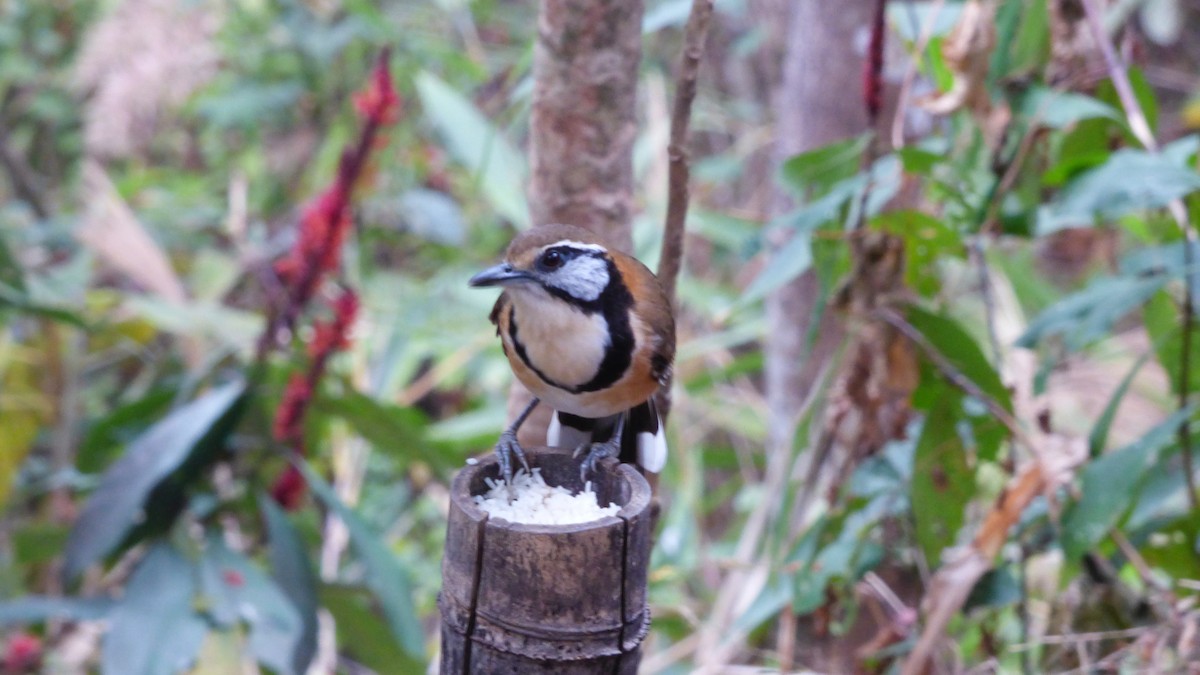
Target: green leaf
{"x": 1062, "y": 109}
{"x": 294, "y": 573}
{"x": 155, "y": 630}
{"x": 38, "y": 542}
{"x": 997, "y": 588}
{"x": 942, "y": 482}
{"x": 1130, "y": 181}
{"x": 964, "y": 354}
{"x": 384, "y": 575}
{"x": 1088, "y": 315}
{"x": 473, "y": 140}
{"x": 237, "y": 591}
{"x": 1163, "y": 322}
{"x": 363, "y": 635}
{"x": 785, "y": 264}
{"x": 114, "y": 507}
{"x": 927, "y": 242}
{"x": 824, "y": 166}
{"x": 1099, "y": 436}
{"x": 393, "y": 430}
{"x": 105, "y": 438}
{"x": 1109, "y": 485}
{"x": 37, "y": 609}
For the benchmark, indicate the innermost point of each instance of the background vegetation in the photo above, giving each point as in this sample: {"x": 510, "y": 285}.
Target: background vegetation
{"x": 1018, "y": 397}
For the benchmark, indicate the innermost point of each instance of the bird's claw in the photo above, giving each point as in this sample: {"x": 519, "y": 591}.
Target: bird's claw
{"x": 595, "y": 453}
{"x": 506, "y": 448}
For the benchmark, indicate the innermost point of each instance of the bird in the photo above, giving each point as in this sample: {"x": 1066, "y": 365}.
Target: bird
{"x": 589, "y": 331}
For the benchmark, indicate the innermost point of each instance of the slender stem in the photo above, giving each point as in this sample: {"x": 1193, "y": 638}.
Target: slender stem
{"x": 670, "y": 261}
{"x": 1141, "y": 128}
{"x": 695, "y": 34}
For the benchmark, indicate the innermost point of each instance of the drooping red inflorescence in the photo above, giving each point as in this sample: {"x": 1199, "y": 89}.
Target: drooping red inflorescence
{"x": 289, "y": 417}
{"x": 334, "y": 335}
{"x": 316, "y": 256}
{"x": 379, "y": 103}
{"x": 326, "y": 221}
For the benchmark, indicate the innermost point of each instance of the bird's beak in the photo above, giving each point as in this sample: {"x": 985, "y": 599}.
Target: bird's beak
{"x": 500, "y": 275}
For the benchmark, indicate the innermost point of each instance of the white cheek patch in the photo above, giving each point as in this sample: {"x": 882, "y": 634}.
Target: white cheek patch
{"x": 584, "y": 277}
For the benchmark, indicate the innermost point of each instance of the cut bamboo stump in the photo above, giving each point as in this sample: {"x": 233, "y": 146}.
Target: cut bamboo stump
{"x": 520, "y": 598}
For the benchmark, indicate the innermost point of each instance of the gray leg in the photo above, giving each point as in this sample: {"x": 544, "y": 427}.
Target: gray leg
{"x": 600, "y": 451}
{"x": 507, "y": 446}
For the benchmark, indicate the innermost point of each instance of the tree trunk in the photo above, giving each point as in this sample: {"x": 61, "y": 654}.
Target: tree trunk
{"x": 816, "y": 106}
{"x": 582, "y": 128}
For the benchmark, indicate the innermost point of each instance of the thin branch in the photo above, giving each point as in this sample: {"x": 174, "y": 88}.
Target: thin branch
{"x": 952, "y": 373}
{"x": 695, "y": 34}
{"x": 1141, "y": 128}
{"x": 670, "y": 261}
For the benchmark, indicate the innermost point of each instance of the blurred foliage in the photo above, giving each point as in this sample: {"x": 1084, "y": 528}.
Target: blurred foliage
{"x": 136, "y": 455}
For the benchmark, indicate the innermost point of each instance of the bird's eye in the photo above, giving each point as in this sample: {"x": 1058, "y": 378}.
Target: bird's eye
{"x": 552, "y": 259}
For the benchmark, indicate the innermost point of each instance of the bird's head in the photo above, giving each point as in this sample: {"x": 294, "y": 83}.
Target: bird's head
{"x": 561, "y": 260}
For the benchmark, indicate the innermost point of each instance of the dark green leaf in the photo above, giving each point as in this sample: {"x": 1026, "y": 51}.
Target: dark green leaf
{"x": 997, "y": 588}
{"x": 1109, "y": 485}
{"x": 942, "y": 482}
{"x": 917, "y": 160}
{"x": 393, "y": 430}
{"x": 363, "y": 635}
{"x": 39, "y": 542}
{"x": 1163, "y": 321}
{"x": 155, "y": 630}
{"x": 384, "y": 575}
{"x": 106, "y": 438}
{"x": 965, "y": 355}
{"x": 35, "y": 609}
{"x": 1099, "y": 436}
{"x": 823, "y": 167}
{"x": 114, "y": 507}
{"x": 293, "y": 572}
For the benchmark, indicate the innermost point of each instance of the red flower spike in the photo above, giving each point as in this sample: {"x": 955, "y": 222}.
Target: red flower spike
{"x": 289, "y": 418}
{"x": 233, "y": 578}
{"x": 289, "y": 489}
{"x": 334, "y": 335}
{"x": 379, "y": 103}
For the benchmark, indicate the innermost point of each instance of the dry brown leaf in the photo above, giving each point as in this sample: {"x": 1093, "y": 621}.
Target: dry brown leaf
{"x": 968, "y": 52}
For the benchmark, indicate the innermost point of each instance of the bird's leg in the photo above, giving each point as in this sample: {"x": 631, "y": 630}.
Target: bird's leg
{"x": 507, "y": 446}
{"x": 600, "y": 451}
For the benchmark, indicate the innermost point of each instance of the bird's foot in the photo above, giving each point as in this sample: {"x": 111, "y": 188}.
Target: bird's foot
{"x": 593, "y": 454}
{"x": 506, "y": 448}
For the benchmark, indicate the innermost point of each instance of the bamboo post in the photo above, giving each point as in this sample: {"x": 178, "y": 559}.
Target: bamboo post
{"x": 520, "y": 598}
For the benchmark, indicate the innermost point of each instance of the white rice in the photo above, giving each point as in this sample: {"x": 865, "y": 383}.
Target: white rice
{"x": 536, "y": 503}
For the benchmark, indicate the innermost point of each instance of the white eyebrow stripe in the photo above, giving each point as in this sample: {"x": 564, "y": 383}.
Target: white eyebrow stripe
{"x": 575, "y": 244}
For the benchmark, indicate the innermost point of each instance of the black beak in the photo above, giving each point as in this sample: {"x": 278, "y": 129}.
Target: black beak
{"x": 500, "y": 275}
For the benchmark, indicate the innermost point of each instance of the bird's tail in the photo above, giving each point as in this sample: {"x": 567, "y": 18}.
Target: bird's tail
{"x": 643, "y": 442}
